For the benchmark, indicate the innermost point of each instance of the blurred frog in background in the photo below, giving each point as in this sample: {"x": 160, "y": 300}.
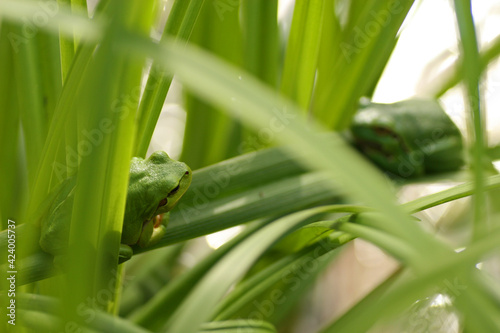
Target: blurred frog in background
{"x": 408, "y": 138}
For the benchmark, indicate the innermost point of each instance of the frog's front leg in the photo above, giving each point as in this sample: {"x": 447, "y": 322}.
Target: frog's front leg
{"x": 152, "y": 232}
{"x": 160, "y": 228}
{"x": 125, "y": 253}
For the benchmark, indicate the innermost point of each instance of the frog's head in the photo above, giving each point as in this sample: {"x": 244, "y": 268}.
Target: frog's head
{"x": 155, "y": 186}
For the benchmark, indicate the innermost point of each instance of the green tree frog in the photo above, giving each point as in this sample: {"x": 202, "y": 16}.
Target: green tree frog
{"x": 155, "y": 186}
{"x": 408, "y": 138}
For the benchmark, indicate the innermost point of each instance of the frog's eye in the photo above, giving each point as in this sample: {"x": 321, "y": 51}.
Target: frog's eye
{"x": 163, "y": 202}
{"x": 174, "y": 190}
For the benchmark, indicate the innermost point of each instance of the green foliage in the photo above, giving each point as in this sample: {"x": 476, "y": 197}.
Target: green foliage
{"x": 258, "y": 104}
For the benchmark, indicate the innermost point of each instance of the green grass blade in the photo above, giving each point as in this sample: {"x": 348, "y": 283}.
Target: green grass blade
{"x": 50, "y": 66}
{"x": 456, "y": 192}
{"x": 95, "y": 320}
{"x": 364, "y": 51}
{"x": 393, "y": 297}
{"x": 236, "y": 326}
{"x": 147, "y": 275}
{"x": 78, "y": 6}
{"x": 61, "y": 20}
{"x": 258, "y": 107}
{"x": 329, "y": 52}
{"x": 452, "y": 75}
{"x": 11, "y": 194}
{"x": 33, "y": 117}
{"x": 67, "y": 46}
{"x": 241, "y": 189}
{"x": 160, "y": 308}
{"x": 259, "y": 25}
{"x": 476, "y": 126}
{"x": 349, "y": 320}
{"x": 211, "y": 136}
{"x": 159, "y": 82}
{"x": 40, "y": 267}
{"x": 198, "y": 306}
{"x": 277, "y": 287}
{"x": 302, "y": 52}
{"x": 87, "y": 95}
{"x": 274, "y": 199}
{"x": 398, "y": 248}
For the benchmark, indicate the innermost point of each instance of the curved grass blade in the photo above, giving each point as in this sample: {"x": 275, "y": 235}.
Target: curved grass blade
{"x": 280, "y": 285}
{"x": 154, "y": 314}
{"x": 148, "y": 276}
{"x": 454, "y": 193}
{"x": 198, "y": 306}
{"x": 238, "y": 326}
{"x": 42, "y": 265}
{"x": 40, "y": 309}
{"x": 392, "y": 297}
{"x": 452, "y": 75}
{"x": 62, "y": 19}
{"x": 260, "y": 108}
